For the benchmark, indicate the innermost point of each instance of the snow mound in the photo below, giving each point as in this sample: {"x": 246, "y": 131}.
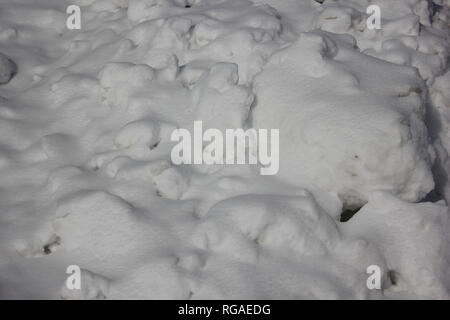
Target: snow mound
{"x": 251, "y": 234}
{"x": 100, "y": 230}
{"x": 398, "y": 228}
{"x": 348, "y": 123}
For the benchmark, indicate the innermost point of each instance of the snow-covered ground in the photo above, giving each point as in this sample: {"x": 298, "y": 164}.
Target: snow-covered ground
{"x": 87, "y": 179}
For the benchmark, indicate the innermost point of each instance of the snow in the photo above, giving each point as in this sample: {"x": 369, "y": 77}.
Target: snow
{"x": 355, "y": 125}
{"x": 87, "y": 179}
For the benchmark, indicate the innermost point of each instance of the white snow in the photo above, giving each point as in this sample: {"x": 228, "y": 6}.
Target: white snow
{"x": 86, "y": 176}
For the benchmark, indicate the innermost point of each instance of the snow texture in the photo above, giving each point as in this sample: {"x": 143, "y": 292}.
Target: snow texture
{"x": 86, "y": 176}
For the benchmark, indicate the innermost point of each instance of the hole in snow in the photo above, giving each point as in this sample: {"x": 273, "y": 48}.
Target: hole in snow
{"x": 348, "y": 213}
{"x": 433, "y": 196}
{"x": 51, "y": 246}
{"x": 392, "y": 275}
{"x": 153, "y": 146}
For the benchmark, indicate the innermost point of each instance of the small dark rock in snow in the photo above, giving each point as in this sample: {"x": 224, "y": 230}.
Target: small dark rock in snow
{"x": 8, "y": 69}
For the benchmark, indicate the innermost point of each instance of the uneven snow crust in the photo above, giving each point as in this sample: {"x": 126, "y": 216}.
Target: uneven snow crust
{"x": 86, "y": 176}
